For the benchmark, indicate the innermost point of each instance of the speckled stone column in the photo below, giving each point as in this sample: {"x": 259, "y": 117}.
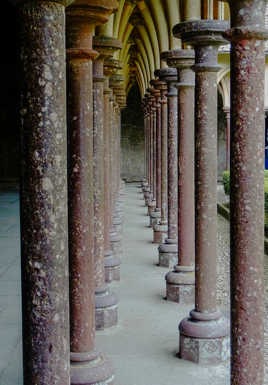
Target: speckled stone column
{"x": 156, "y": 212}
{"x": 246, "y": 196}
{"x": 44, "y": 228}
{"x": 116, "y": 230}
{"x": 227, "y": 136}
{"x": 111, "y": 260}
{"x": 151, "y": 201}
{"x": 204, "y": 335}
{"x": 146, "y": 183}
{"x": 160, "y": 229}
{"x": 87, "y": 365}
{"x": 181, "y": 281}
{"x": 105, "y": 301}
{"x": 168, "y": 251}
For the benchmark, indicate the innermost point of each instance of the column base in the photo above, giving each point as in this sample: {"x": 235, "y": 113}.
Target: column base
{"x": 111, "y": 267}
{"x": 160, "y": 233}
{"x": 117, "y": 224}
{"x": 106, "y": 309}
{"x": 204, "y": 338}
{"x": 168, "y": 254}
{"x": 91, "y": 369}
{"x": 151, "y": 207}
{"x": 180, "y": 284}
{"x": 155, "y": 217}
{"x": 116, "y": 244}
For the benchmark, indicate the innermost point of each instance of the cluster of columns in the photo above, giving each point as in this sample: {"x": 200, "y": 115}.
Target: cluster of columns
{"x": 180, "y": 115}
{"x": 71, "y": 192}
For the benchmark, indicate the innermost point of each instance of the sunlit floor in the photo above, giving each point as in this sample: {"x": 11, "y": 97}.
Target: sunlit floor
{"x": 143, "y": 346}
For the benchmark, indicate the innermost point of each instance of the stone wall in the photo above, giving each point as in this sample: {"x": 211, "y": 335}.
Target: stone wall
{"x": 132, "y": 138}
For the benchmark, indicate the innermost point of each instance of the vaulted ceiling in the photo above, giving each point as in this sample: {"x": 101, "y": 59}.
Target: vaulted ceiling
{"x": 145, "y": 29}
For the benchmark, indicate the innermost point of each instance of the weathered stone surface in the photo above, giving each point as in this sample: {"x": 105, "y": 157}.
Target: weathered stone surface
{"x": 44, "y": 229}
{"x": 205, "y": 36}
{"x": 87, "y": 365}
{"x": 204, "y": 351}
{"x": 183, "y": 61}
{"x": 246, "y": 198}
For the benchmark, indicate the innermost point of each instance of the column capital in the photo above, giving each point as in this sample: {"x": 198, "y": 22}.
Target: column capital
{"x": 65, "y": 3}
{"x": 95, "y": 11}
{"x": 206, "y": 36}
{"x": 241, "y": 13}
{"x": 167, "y": 74}
{"x": 179, "y": 58}
{"x": 116, "y": 82}
{"x": 112, "y": 66}
{"x": 106, "y": 46}
{"x": 183, "y": 60}
{"x": 201, "y": 32}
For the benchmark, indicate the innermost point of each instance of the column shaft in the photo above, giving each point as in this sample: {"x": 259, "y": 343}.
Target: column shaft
{"x": 168, "y": 250}
{"x": 87, "y": 365}
{"x": 206, "y": 327}
{"x": 164, "y": 144}
{"x": 44, "y": 229}
{"x": 98, "y": 171}
{"x": 246, "y": 195}
{"x": 172, "y": 161}
{"x": 180, "y": 281}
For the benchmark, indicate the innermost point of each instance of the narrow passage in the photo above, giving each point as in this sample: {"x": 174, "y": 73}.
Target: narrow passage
{"x": 143, "y": 346}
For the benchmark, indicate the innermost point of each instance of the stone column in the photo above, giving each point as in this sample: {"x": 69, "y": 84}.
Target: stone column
{"x": 168, "y": 251}
{"x": 156, "y": 213}
{"x": 87, "y": 365}
{"x": 203, "y": 336}
{"x": 146, "y": 188}
{"x": 44, "y": 228}
{"x": 111, "y": 260}
{"x": 226, "y": 110}
{"x": 152, "y": 203}
{"x": 106, "y": 301}
{"x": 160, "y": 229}
{"x": 116, "y": 230}
{"x": 246, "y": 196}
{"x": 180, "y": 281}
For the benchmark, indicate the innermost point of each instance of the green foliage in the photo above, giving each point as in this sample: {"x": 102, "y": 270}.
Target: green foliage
{"x": 226, "y": 182}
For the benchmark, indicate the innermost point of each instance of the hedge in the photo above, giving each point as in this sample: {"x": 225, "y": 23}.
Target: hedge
{"x": 226, "y": 184}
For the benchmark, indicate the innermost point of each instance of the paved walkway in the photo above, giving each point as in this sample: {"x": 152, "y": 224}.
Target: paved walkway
{"x": 143, "y": 346}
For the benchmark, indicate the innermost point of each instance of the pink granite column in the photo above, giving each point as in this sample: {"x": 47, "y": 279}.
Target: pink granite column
{"x": 168, "y": 250}
{"x": 246, "y": 196}
{"x": 116, "y": 231}
{"x": 181, "y": 281}
{"x": 111, "y": 260}
{"x": 160, "y": 229}
{"x": 87, "y": 365}
{"x": 106, "y": 302}
{"x": 146, "y": 185}
{"x": 152, "y": 203}
{"x": 227, "y": 135}
{"x": 156, "y": 214}
{"x": 204, "y": 335}
{"x": 44, "y": 210}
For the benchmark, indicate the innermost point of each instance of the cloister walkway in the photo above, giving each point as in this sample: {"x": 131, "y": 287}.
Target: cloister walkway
{"x": 143, "y": 346}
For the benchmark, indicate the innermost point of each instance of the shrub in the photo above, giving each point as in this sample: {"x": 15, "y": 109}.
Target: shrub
{"x": 226, "y": 182}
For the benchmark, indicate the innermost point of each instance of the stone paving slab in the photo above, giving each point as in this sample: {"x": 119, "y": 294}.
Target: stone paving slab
{"x": 143, "y": 346}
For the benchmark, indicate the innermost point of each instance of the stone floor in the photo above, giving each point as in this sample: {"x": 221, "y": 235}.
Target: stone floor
{"x": 143, "y": 346}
